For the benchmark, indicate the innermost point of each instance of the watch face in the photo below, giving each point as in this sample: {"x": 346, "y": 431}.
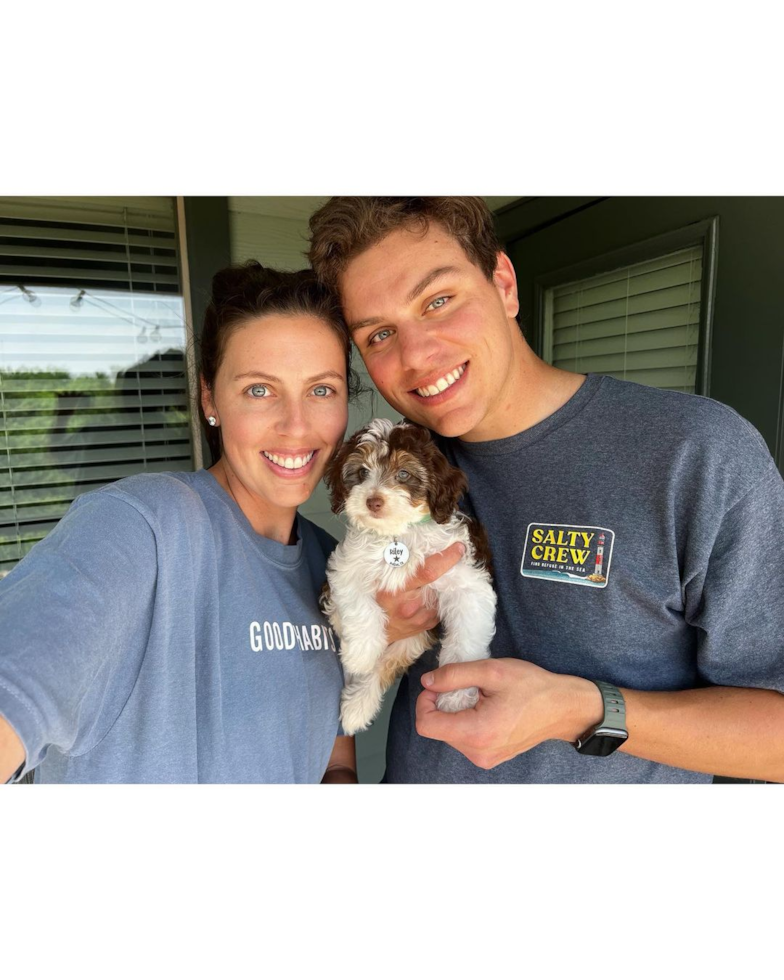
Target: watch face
{"x": 604, "y": 741}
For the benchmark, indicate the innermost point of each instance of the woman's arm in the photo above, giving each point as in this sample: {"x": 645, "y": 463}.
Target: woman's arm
{"x": 12, "y": 751}
{"x": 342, "y": 766}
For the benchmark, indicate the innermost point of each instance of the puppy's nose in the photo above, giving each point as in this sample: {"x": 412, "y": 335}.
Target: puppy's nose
{"x": 375, "y": 504}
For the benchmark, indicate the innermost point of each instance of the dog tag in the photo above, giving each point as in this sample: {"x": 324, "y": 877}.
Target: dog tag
{"x": 396, "y": 554}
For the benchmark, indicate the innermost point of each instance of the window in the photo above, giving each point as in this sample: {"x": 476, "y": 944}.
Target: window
{"x": 92, "y": 379}
{"x": 645, "y": 321}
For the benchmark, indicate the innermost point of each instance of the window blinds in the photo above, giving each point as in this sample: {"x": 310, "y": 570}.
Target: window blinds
{"x": 639, "y": 323}
{"x": 108, "y": 242}
{"x": 92, "y": 337}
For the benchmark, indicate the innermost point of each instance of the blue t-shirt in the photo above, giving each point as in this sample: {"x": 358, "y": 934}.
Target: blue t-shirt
{"x": 154, "y": 637}
{"x": 635, "y": 536}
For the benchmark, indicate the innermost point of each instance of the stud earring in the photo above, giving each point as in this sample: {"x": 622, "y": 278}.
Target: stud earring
{"x": 212, "y": 420}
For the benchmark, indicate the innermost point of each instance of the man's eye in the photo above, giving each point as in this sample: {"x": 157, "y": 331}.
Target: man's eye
{"x": 438, "y": 303}
{"x": 381, "y": 335}
{"x": 258, "y": 391}
{"x": 403, "y": 475}
{"x": 322, "y": 391}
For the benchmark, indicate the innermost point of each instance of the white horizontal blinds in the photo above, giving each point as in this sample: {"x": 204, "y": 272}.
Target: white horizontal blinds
{"x": 109, "y": 243}
{"x": 640, "y": 323}
{"x": 92, "y": 388}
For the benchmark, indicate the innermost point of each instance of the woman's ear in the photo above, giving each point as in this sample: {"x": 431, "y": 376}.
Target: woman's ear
{"x": 207, "y": 405}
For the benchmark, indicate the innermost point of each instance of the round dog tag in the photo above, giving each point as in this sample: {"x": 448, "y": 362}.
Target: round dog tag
{"x": 396, "y": 554}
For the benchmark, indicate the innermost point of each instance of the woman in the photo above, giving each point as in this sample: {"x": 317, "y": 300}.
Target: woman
{"x": 168, "y": 629}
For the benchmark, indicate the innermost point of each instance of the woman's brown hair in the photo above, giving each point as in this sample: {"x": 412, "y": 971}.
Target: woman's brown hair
{"x": 244, "y": 292}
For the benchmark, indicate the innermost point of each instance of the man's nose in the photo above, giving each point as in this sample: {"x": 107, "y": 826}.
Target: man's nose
{"x": 418, "y": 348}
{"x": 375, "y": 504}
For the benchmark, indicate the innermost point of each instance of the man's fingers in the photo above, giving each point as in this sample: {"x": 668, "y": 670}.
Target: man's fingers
{"x": 446, "y": 726}
{"x": 435, "y": 566}
{"x": 473, "y": 673}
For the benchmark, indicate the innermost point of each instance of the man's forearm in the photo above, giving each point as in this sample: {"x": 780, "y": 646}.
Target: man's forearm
{"x": 726, "y": 731}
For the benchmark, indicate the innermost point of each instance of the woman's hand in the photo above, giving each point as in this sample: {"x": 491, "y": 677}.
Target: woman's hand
{"x": 407, "y": 613}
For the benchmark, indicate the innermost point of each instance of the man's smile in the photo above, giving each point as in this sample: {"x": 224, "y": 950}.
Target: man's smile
{"x": 437, "y": 390}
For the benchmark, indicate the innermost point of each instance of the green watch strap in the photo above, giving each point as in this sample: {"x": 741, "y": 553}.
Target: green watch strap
{"x": 614, "y": 706}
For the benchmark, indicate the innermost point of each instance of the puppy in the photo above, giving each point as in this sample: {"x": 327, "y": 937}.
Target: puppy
{"x": 400, "y": 496}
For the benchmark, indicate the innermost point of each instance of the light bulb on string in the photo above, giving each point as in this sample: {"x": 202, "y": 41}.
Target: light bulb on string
{"x": 30, "y": 296}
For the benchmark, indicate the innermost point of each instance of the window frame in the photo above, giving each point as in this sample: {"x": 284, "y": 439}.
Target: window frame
{"x": 703, "y": 233}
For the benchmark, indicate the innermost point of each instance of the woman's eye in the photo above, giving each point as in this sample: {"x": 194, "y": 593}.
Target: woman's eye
{"x": 381, "y": 335}
{"x": 259, "y": 391}
{"x": 403, "y": 475}
{"x": 322, "y": 391}
{"x": 438, "y": 303}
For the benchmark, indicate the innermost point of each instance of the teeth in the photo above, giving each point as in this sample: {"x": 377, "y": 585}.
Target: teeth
{"x": 442, "y": 384}
{"x": 289, "y": 462}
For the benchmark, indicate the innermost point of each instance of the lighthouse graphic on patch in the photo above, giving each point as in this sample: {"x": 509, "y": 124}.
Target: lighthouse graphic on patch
{"x": 575, "y": 554}
{"x": 597, "y": 572}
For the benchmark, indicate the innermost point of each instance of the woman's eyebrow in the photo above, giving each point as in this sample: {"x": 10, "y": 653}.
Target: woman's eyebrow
{"x": 271, "y": 377}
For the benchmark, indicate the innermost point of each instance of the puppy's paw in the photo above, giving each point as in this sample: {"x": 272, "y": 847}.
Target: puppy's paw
{"x": 457, "y": 700}
{"x": 355, "y": 713}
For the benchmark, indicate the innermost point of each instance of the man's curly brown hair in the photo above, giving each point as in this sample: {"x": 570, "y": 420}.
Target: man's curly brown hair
{"x": 346, "y": 226}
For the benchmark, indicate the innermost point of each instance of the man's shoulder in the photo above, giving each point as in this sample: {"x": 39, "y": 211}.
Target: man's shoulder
{"x": 685, "y": 414}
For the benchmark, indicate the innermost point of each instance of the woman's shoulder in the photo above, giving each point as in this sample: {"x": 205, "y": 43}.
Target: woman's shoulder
{"x": 156, "y": 497}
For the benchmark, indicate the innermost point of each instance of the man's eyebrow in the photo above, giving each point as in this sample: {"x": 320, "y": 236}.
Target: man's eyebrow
{"x": 271, "y": 377}
{"x": 365, "y": 323}
{"x": 420, "y": 287}
{"x": 429, "y": 278}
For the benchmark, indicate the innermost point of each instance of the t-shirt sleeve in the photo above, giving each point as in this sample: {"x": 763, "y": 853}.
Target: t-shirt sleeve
{"x": 737, "y": 602}
{"x": 75, "y": 615}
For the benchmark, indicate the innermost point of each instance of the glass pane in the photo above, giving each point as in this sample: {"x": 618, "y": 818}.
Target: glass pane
{"x": 92, "y": 388}
{"x": 639, "y": 323}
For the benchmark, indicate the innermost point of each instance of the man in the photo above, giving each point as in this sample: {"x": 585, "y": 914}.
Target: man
{"x": 667, "y": 508}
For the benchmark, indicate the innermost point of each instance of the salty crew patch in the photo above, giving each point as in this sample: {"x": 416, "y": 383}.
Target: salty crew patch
{"x": 571, "y": 553}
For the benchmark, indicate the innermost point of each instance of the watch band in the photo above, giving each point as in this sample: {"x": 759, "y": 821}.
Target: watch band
{"x": 614, "y": 706}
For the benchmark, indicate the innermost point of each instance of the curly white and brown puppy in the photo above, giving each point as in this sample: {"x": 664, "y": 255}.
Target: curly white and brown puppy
{"x": 400, "y": 496}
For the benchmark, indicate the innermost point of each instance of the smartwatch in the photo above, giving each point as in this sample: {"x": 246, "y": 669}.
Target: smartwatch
{"x": 604, "y": 738}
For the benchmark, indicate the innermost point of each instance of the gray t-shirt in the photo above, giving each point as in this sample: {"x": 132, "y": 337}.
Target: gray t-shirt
{"x": 636, "y": 537}
{"x": 154, "y": 637}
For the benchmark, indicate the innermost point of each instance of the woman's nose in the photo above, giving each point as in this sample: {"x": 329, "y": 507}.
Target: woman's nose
{"x": 293, "y": 418}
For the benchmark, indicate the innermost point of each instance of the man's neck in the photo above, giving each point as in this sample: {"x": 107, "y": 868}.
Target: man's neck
{"x": 535, "y": 391}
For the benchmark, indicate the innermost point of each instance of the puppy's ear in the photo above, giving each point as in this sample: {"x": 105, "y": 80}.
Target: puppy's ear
{"x": 333, "y": 475}
{"x": 446, "y": 485}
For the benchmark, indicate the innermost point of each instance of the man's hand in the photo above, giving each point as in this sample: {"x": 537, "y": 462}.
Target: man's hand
{"x": 407, "y": 613}
{"x": 520, "y": 705}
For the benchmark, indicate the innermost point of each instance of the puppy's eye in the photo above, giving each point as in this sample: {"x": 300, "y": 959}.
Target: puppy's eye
{"x": 362, "y": 473}
{"x": 403, "y": 475}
